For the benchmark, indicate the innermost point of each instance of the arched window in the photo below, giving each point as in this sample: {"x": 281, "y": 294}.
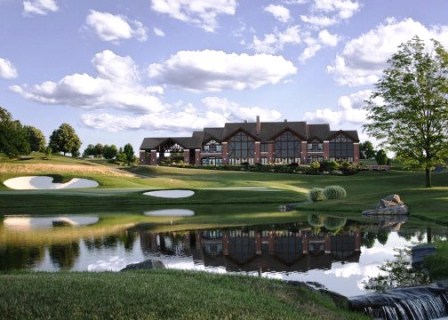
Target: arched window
{"x": 241, "y": 149}
{"x": 287, "y": 148}
{"x": 212, "y": 146}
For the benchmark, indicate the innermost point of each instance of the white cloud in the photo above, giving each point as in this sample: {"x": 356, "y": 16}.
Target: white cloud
{"x": 281, "y": 13}
{"x": 7, "y": 69}
{"x": 319, "y": 21}
{"x": 211, "y": 70}
{"x": 181, "y": 118}
{"x": 109, "y": 27}
{"x": 233, "y": 111}
{"x": 344, "y": 9}
{"x": 40, "y": 7}
{"x": 314, "y": 45}
{"x": 363, "y": 59}
{"x": 159, "y": 32}
{"x": 349, "y": 111}
{"x": 275, "y": 42}
{"x": 117, "y": 85}
{"x": 203, "y": 13}
{"x": 328, "y": 39}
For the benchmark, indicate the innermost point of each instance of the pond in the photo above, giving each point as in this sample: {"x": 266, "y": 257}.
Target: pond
{"x": 336, "y": 253}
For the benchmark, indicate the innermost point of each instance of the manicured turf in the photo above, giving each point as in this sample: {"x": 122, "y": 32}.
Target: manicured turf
{"x": 159, "y": 294}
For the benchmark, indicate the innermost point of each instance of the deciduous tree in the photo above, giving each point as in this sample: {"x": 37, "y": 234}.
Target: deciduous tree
{"x": 65, "y": 140}
{"x": 408, "y": 110}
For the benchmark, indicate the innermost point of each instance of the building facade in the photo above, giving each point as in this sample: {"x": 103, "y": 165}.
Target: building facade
{"x": 255, "y": 143}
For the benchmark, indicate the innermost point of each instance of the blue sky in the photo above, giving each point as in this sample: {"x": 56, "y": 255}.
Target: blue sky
{"x": 119, "y": 71}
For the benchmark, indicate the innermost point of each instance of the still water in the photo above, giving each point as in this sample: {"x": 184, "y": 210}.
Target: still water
{"x": 333, "y": 252}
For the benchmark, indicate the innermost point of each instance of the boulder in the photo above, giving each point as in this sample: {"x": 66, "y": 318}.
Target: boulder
{"x": 390, "y": 205}
{"x": 145, "y": 265}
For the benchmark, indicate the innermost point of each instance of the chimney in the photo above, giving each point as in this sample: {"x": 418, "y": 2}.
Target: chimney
{"x": 258, "y": 127}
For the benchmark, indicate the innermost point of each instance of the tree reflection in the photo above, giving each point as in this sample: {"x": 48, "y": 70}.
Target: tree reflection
{"x": 64, "y": 256}
{"x": 12, "y": 258}
{"x": 382, "y": 236}
{"x": 397, "y": 273}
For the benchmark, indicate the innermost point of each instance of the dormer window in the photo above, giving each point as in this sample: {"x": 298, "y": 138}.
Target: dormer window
{"x": 315, "y": 146}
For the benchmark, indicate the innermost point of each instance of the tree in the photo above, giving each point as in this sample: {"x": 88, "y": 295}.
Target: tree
{"x": 13, "y": 138}
{"x": 99, "y": 149}
{"x": 366, "y": 150}
{"x": 408, "y": 110}
{"x": 64, "y": 139}
{"x": 35, "y": 138}
{"x": 110, "y": 152}
{"x": 381, "y": 157}
{"x": 89, "y": 151}
{"x": 128, "y": 150}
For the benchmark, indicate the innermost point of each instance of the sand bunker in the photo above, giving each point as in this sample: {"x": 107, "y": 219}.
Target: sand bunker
{"x": 170, "y": 193}
{"x": 42, "y": 182}
{"x": 170, "y": 213}
{"x": 27, "y": 223}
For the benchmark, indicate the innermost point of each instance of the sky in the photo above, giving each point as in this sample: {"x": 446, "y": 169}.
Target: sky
{"x": 118, "y": 71}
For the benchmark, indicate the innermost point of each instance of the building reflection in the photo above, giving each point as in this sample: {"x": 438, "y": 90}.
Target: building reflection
{"x": 261, "y": 250}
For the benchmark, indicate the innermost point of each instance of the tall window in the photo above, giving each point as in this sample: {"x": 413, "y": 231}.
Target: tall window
{"x": 341, "y": 148}
{"x": 241, "y": 149}
{"x": 287, "y": 148}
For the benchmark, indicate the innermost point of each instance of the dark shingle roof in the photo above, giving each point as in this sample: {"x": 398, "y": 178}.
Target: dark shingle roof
{"x": 266, "y": 131}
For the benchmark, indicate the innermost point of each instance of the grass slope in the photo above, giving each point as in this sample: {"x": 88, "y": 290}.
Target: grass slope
{"x": 159, "y": 294}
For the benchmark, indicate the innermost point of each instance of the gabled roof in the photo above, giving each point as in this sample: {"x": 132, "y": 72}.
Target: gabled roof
{"x": 271, "y": 130}
{"x": 259, "y": 131}
{"x": 185, "y": 142}
{"x": 352, "y": 134}
{"x": 320, "y": 132}
{"x": 213, "y": 134}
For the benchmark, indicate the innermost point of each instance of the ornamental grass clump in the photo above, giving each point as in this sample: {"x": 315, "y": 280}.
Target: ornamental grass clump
{"x": 334, "y": 192}
{"x": 316, "y": 194}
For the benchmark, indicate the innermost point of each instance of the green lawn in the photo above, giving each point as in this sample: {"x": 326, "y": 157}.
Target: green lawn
{"x": 159, "y": 294}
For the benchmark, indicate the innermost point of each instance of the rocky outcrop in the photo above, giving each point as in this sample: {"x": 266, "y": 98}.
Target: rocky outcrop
{"x": 390, "y": 205}
{"x": 145, "y": 265}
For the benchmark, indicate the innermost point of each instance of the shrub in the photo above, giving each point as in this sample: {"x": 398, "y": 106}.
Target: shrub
{"x": 316, "y": 194}
{"x": 329, "y": 165}
{"x": 334, "y": 192}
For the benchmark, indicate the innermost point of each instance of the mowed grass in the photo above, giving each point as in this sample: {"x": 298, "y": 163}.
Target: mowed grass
{"x": 121, "y": 188}
{"x": 159, "y": 294}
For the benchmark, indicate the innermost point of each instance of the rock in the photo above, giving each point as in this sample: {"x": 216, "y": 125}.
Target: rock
{"x": 145, "y": 265}
{"x": 390, "y": 205}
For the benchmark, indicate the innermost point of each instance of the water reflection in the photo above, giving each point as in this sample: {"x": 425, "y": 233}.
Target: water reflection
{"x": 338, "y": 253}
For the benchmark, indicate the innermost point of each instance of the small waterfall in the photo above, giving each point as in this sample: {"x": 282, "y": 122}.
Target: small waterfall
{"x": 413, "y": 303}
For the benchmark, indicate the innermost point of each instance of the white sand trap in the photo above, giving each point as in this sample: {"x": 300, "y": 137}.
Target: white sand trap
{"x": 42, "y": 182}
{"x": 29, "y": 223}
{"x": 170, "y": 193}
{"x": 170, "y": 213}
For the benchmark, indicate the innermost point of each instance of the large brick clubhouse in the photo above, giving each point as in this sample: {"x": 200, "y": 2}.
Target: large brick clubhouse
{"x": 255, "y": 143}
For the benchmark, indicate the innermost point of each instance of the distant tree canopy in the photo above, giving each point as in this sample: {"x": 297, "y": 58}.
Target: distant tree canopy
{"x": 408, "y": 110}
{"x": 13, "y": 136}
{"x": 366, "y": 150}
{"x": 35, "y": 138}
{"x": 110, "y": 152}
{"x": 99, "y": 151}
{"x": 65, "y": 140}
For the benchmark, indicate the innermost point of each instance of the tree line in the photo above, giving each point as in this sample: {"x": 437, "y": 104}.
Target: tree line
{"x": 17, "y": 140}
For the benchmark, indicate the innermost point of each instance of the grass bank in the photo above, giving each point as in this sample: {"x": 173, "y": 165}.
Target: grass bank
{"x": 159, "y": 294}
